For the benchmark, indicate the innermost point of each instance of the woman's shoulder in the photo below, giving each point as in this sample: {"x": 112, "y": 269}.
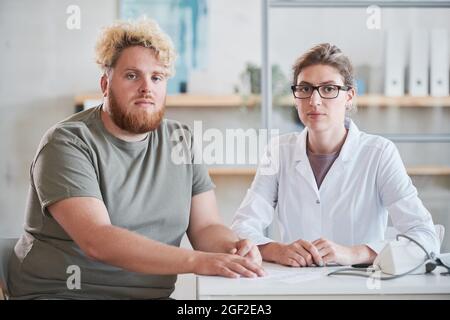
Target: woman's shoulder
{"x": 370, "y": 140}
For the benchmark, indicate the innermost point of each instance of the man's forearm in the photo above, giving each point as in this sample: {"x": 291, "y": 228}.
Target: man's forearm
{"x": 133, "y": 252}
{"x": 215, "y": 238}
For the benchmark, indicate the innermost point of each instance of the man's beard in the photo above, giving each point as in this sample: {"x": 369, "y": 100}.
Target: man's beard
{"x": 134, "y": 120}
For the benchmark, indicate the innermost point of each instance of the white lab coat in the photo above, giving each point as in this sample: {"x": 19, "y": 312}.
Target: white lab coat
{"x": 366, "y": 181}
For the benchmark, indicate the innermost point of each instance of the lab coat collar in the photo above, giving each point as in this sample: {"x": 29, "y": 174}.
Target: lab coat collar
{"x": 347, "y": 151}
{"x": 351, "y": 142}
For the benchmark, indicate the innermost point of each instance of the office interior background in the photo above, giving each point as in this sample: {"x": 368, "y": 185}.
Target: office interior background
{"x": 48, "y": 72}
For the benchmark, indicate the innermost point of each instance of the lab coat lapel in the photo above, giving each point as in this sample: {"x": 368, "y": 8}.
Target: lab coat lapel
{"x": 345, "y": 155}
{"x": 302, "y": 163}
{"x": 332, "y": 176}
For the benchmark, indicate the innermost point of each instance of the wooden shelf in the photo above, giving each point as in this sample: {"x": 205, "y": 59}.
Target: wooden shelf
{"x": 404, "y": 101}
{"x": 81, "y": 99}
{"x": 428, "y": 170}
{"x": 232, "y": 171}
{"x": 412, "y": 171}
{"x": 383, "y": 101}
{"x": 189, "y": 100}
{"x": 200, "y": 101}
{"x": 218, "y": 101}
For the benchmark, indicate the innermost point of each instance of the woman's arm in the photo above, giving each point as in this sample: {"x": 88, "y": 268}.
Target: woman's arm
{"x": 256, "y": 212}
{"x": 399, "y": 196}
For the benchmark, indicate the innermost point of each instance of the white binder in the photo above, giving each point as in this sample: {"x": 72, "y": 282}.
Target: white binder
{"x": 395, "y": 62}
{"x": 418, "y": 63}
{"x": 439, "y": 69}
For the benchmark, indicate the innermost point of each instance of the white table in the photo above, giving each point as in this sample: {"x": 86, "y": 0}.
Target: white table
{"x": 313, "y": 283}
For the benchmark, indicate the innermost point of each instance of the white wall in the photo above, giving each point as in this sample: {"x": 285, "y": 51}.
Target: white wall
{"x": 43, "y": 64}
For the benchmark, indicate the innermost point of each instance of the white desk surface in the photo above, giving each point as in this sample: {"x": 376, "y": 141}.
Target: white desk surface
{"x": 313, "y": 283}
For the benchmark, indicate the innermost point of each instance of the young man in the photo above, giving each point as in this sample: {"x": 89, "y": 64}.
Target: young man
{"x": 108, "y": 198}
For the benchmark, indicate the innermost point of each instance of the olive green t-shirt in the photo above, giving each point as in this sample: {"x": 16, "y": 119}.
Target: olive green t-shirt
{"x": 146, "y": 187}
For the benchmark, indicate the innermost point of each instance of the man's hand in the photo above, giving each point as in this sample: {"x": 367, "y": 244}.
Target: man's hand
{"x": 245, "y": 248}
{"x": 335, "y": 253}
{"x": 300, "y": 253}
{"x": 225, "y": 265}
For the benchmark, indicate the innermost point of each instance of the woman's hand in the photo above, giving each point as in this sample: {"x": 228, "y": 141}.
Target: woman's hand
{"x": 300, "y": 253}
{"x": 335, "y": 253}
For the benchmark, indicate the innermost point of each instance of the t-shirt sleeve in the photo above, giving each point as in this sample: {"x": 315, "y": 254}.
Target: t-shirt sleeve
{"x": 62, "y": 169}
{"x": 201, "y": 181}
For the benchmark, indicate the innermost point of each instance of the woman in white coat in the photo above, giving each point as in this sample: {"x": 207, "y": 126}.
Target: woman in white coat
{"x": 330, "y": 186}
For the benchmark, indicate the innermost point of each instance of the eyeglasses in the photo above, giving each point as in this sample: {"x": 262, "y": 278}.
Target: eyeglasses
{"x": 326, "y": 91}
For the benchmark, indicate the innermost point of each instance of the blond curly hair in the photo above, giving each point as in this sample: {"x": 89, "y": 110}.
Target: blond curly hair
{"x": 123, "y": 34}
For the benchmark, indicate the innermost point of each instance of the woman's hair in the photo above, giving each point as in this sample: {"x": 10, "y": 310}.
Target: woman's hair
{"x": 326, "y": 54}
{"x": 144, "y": 32}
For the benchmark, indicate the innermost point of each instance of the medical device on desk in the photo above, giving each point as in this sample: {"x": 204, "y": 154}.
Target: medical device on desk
{"x": 399, "y": 258}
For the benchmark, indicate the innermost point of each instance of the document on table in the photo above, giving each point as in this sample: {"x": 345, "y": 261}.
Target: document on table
{"x": 291, "y": 275}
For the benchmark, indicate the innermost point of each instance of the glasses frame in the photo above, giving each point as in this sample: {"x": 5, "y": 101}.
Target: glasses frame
{"x": 343, "y": 88}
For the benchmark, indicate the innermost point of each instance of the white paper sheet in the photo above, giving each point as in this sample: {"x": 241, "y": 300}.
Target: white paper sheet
{"x": 291, "y": 275}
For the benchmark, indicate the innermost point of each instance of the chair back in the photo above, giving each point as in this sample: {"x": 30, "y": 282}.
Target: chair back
{"x": 6, "y": 250}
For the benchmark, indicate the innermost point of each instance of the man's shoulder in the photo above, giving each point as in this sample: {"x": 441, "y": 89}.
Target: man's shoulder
{"x": 73, "y": 128}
